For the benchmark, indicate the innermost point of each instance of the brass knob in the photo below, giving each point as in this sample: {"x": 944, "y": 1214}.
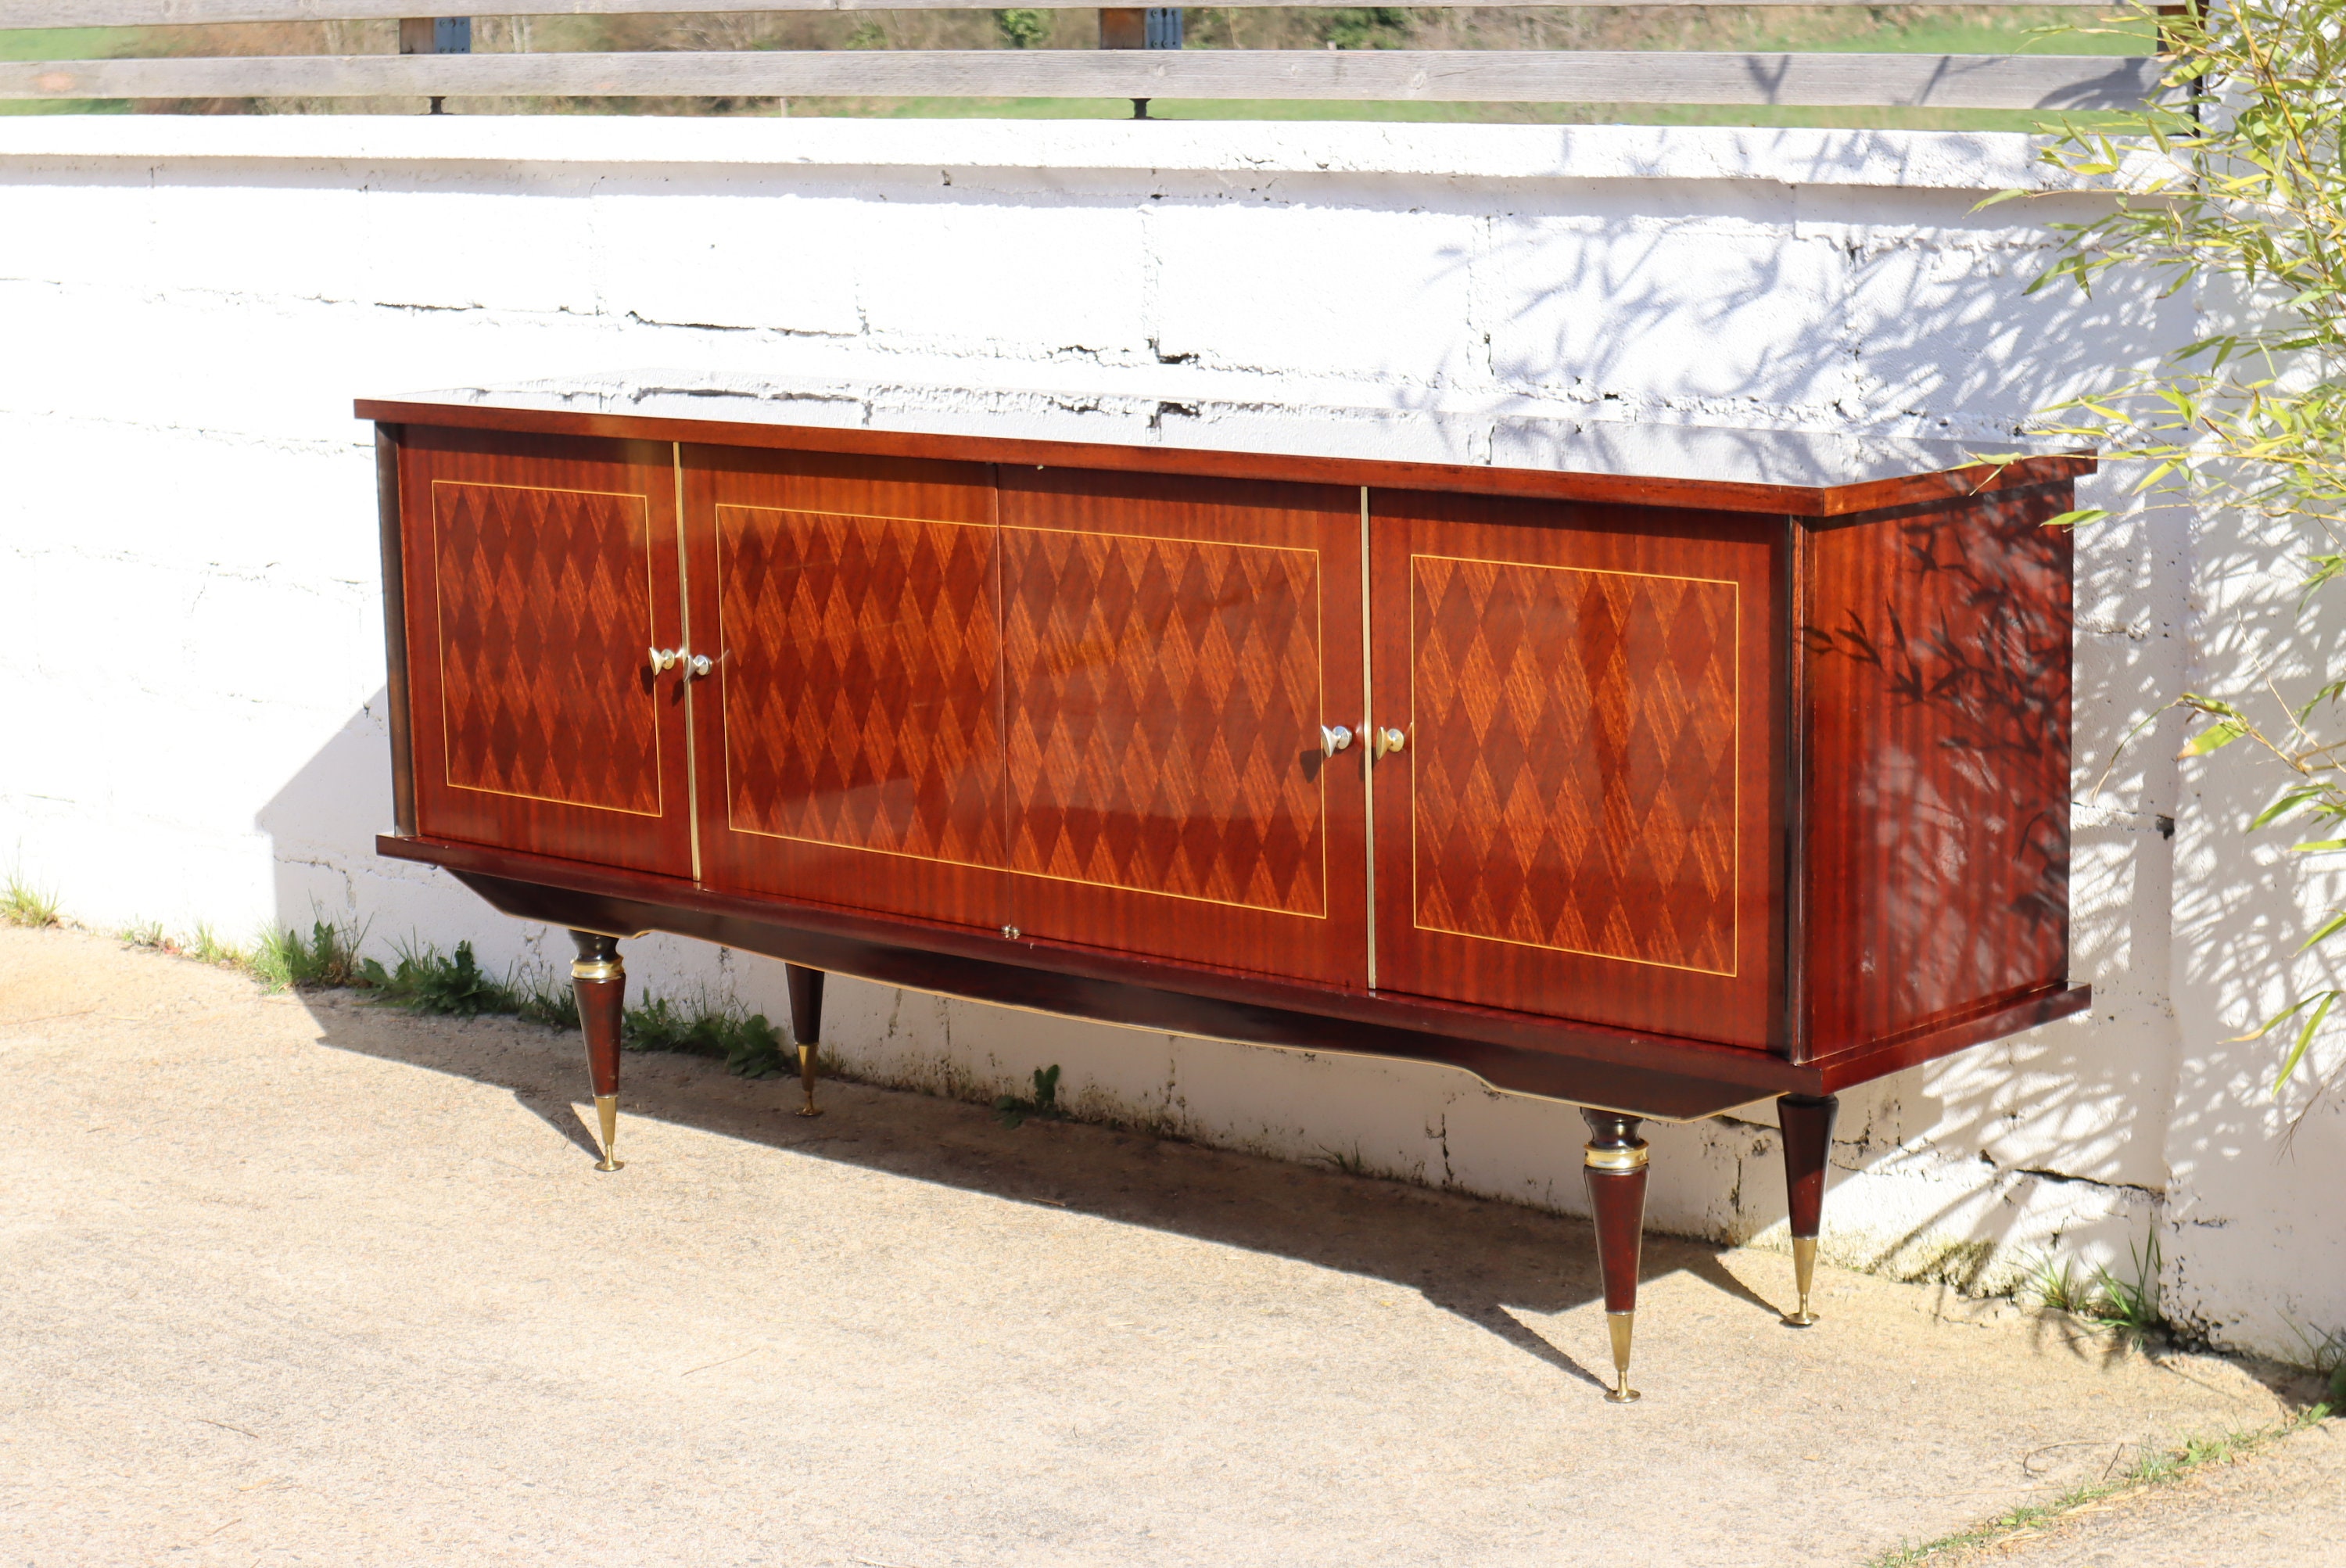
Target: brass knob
{"x": 700, "y": 666}
{"x": 1390, "y": 741}
{"x": 1332, "y": 741}
{"x": 665, "y": 658}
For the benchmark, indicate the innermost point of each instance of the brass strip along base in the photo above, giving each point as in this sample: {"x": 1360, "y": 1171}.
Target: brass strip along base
{"x": 1620, "y": 1325}
{"x": 1607, "y": 1157}
{"x": 606, "y": 1110}
{"x": 806, "y": 1080}
{"x": 596, "y": 969}
{"x": 1804, "y": 1274}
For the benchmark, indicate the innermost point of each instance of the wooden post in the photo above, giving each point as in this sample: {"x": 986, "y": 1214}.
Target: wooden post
{"x": 435, "y": 35}
{"x": 1141, "y": 27}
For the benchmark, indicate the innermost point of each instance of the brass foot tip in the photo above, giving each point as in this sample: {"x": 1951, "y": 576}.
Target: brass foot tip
{"x": 1620, "y": 1327}
{"x": 1804, "y": 1274}
{"x": 806, "y": 1081}
{"x": 606, "y": 1111}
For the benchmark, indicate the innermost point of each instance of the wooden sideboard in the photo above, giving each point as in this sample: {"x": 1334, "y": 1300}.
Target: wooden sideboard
{"x": 1729, "y": 766}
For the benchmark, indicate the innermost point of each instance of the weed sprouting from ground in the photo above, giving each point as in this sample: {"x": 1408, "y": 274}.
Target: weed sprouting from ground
{"x": 2326, "y": 1354}
{"x": 2131, "y": 1306}
{"x": 205, "y": 947}
{"x": 547, "y": 999}
{"x": 2151, "y": 1470}
{"x": 143, "y": 933}
{"x": 328, "y": 959}
{"x": 1013, "y": 1110}
{"x": 748, "y": 1045}
{"x": 426, "y": 980}
{"x": 1349, "y": 1161}
{"x": 21, "y": 903}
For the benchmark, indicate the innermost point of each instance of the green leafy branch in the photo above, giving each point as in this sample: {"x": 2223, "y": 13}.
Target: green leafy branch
{"x": 2236, "y": 183}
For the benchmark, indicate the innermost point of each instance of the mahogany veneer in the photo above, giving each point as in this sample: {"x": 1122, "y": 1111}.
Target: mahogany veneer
{"x": 1656, "y": 788}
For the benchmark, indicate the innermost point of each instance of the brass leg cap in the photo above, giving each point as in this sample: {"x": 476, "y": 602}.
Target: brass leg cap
{"x": 806, "y": 1078}
{"x": 1621, "y": 1326}
{"x": 1804, "y": 1274}
{"x": 606, "y": 1111}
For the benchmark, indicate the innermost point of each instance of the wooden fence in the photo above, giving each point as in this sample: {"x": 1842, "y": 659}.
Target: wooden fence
{"x": 2048, "y": 82}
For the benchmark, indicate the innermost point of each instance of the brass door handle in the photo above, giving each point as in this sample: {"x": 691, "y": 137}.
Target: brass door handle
{"x": 1332, "y": 741}
{"x": 1389, "y": 741}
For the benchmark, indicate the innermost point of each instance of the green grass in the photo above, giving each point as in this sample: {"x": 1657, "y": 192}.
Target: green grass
{"x": 2149, "y": 1472}
{"x": 67, "y": 44}
{"x": 1014, "y": 1110}
{"x": 21, "y": 903}
{"x": 749, "y": 1045}
{"x": 329, "y": 958}
{"x": 2129, "y": 1306}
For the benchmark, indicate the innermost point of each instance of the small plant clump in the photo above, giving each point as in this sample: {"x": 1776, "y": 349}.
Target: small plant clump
{"x": 21, "y": 903}
{"x": 2131, "y": 1306}
{"x": 329, "y": 958}
{"x": 749, "y": 1046}
{"x": 205, "y": 947}
{"x": 1023, "y": 29}
{"x": 1015, "y": 1111}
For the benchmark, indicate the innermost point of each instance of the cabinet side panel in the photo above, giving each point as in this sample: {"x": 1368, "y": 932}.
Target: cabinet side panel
{"x": 1936, "y": 651}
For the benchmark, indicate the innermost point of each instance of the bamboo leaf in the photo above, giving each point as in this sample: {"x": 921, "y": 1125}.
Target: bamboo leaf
{"x": 2213, "y": 739}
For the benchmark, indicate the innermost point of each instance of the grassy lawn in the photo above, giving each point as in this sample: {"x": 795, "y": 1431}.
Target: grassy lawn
{"x": 65, "y": 44}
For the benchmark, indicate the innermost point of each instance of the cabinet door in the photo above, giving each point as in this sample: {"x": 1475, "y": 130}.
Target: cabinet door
{"x": 1584, "y": 821}
{"x": 849, "y": 735}
{"x": 540, "y": 571}
{"x": 1172, "y": 647}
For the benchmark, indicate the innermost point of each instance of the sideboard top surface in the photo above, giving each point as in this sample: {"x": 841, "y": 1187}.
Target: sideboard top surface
{"x": 1785, "y": 473}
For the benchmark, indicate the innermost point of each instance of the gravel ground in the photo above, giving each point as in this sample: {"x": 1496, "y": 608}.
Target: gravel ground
{"x": 292, "y": 1279}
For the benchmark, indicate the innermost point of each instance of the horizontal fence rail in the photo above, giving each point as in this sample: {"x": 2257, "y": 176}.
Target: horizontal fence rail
{"x": 1461, "y": 76}
{"x": 192, "y": 12}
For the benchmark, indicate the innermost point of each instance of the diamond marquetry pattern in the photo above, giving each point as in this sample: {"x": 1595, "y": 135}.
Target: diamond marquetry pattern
{"x": 1163, "y": 700}
{"x": 1575, "y": 759}
{"x": 860, "y": 669}
{"x": 545, "y": 615}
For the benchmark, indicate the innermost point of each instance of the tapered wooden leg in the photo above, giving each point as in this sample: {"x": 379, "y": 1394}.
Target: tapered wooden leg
{"x": 1807, "y": 1120}
{"x": 806, "y": 1026}
{"x": 601, "y": 984}
{"x": 1614, "y": 1168}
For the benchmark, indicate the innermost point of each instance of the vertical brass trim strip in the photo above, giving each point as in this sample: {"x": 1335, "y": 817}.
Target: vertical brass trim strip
{"x": 394, "y": 628}
{"x": 684, "y": 609}
{"x": 1368, "y": 747}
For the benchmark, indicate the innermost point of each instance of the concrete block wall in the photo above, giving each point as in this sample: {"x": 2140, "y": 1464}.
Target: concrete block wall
{"x": 191, "y": 669}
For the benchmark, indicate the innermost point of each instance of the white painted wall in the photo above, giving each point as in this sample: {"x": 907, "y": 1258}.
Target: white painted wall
{"x": 190, "y": 654}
